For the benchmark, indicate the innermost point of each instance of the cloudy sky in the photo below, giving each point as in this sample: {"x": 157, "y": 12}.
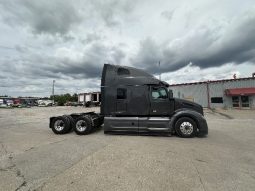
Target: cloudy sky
{"x": 69, "y": 41}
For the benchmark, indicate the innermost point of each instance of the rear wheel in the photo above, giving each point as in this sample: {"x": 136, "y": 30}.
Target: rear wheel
{"x": 186, "y": 127}
{"x": 88, "y": 104}
{"x": 60, "y": 125}
{"x": 72, "y": 123}
{"x": 83, "y": 125}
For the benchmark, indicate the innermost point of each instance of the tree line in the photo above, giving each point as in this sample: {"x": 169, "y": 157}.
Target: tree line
{"x": 63, "y": 98}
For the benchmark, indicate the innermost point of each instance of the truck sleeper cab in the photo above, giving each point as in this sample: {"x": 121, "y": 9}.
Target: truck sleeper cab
{"x": 133, "y": 101}
{"x": 136, "y": 102}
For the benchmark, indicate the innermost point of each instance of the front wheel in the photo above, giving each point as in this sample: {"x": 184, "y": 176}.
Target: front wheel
{"x": 186, "y": 127}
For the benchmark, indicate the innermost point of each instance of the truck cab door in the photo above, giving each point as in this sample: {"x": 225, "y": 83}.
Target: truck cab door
{"x": 161, "y": 104}
{"x": 121, "y": 101}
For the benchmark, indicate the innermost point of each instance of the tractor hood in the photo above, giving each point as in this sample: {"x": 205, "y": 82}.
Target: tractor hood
{"x": 185, "y": 104}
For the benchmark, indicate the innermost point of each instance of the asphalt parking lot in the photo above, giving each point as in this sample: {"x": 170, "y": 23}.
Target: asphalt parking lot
{"x": 33, "y": 158}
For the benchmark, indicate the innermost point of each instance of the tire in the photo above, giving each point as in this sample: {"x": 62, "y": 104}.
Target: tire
{"x": 186, "y": 127}
{"x": 72, "y": 122}
{"x": 88, "y": 104}
{"x": 83, "y": 125}
{"x": 60, "y": 125}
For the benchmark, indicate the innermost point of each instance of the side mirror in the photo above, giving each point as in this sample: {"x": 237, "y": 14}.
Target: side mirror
{"x": 170, "y": 94}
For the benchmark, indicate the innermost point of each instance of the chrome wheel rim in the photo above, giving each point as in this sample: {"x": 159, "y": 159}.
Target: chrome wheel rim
{"x": 81, "y": 125}
{"x": 59, "y": 125}
{"x": 186, "y": 128}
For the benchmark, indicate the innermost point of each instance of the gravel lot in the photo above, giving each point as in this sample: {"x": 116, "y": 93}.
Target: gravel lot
{"x": 33, "y": 158}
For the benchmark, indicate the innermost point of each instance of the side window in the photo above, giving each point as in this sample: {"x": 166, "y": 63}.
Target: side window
{"x": 121, "y": 93}
{"x": 159, "y": 93}
{"x": 155, "y": 94}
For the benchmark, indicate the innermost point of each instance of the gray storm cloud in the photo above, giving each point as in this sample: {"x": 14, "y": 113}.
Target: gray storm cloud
{"x": 59, "y": 16}
{"x": 202, "y": 47}
{"x": 71, "y": 40}
{"x": 42, "y": 16}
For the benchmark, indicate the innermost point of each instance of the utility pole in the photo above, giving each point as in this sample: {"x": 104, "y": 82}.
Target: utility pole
{"x": 159, "y": 71}
{"x": 53, "y": 101}
{"x": 208, "y": 94}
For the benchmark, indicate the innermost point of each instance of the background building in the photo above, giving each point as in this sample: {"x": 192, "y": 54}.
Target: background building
{"x": 230, "y": 93}
{"x": 91, "y": 97}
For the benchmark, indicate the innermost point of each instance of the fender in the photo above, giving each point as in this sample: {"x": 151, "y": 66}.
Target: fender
{"x": 197, "y": 117}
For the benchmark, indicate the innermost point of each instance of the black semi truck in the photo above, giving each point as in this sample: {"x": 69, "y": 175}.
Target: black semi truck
{"x": 133, "y": 101}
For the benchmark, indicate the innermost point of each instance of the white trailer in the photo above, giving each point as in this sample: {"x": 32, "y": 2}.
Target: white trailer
{"x": 90, "y": 98}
